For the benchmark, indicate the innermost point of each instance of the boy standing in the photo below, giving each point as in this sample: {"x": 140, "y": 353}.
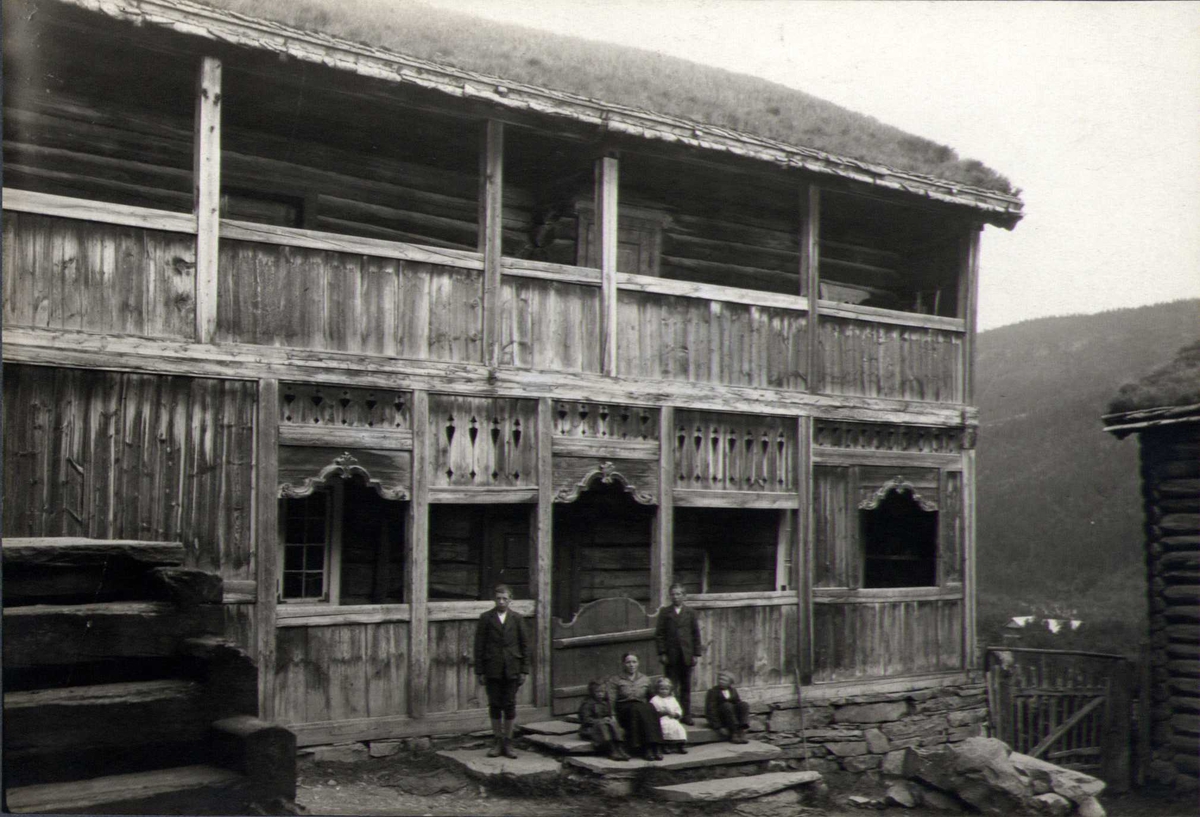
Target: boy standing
{"x": 501, "y": 665}
{"x": 677, "y": 636}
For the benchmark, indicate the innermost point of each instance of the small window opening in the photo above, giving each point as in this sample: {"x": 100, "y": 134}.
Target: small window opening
{"x": 305, "y": 546}
{"x": 899, "y": 543}
{"x": 732, "y": 550}
{"x": 472, "y": 548}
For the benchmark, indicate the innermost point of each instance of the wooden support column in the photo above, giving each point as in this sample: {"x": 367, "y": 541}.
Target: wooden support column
{"x": 206, "y": 178}
{"x": 266, "y": 541}
{"x": 543, "y": 551}
{"x": 416, "y": 560}
{"x": 970, "y": 659}
{"x": 491, "y": 225}
{"x": 810, "y": 279}
{"x": 606, "y": 240}
{"x": 968, "y": 306}
{"x": 802, "y": 562}
{"x": 662, "y": 554}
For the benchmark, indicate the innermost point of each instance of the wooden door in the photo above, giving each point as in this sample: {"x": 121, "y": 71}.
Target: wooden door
{"x": 591, "y": 645}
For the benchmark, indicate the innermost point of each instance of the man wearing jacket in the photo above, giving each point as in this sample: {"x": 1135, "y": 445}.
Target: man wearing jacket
{"x": 501, "y": 665}
{"x": 677, "y": 636}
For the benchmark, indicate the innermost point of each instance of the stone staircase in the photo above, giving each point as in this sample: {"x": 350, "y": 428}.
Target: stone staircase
{"x": 712, "y": 770}
{"x": 120, "y": 696}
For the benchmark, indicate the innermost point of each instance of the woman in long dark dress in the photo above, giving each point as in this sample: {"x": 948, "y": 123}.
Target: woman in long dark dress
{"x": 630, "y": 692}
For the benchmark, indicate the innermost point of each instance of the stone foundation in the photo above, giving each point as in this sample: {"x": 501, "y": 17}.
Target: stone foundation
{"x": 865, "y": 732}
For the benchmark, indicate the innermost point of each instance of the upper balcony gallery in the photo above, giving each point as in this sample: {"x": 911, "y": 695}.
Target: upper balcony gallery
{"x": 359, "y": 212}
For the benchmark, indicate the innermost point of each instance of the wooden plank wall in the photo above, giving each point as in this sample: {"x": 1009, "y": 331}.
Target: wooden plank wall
{"x": 65, "y": 274}
{"x": 549, "y": 325}
{"x": 668, "y": 337}
{"x": 866, "y": 359}
{"x": 126, "y": 456}
{"x": 340, "y": 672}
{"x": 757, "y": 644}
{"x": 452, "y": 683}
{"x": 319, "y": 299}
{"x": 885, "y": 638}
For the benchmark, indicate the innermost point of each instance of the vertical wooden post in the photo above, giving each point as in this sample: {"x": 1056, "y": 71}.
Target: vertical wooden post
{"x": 266, "y": 541}
{"x": 416, "y": 560}
{"x": 206, "y": 178}
{"x": 543, "y": 551}
{"x": 802, "y": 562}
{"x": 970, "y": 659}
{"x": 662, "y": 556}
{"x": 491, "y": 192}
{"x": 968, "y": 306}
{"x": 810, "y": 279}
{"x": 606, "y": 239}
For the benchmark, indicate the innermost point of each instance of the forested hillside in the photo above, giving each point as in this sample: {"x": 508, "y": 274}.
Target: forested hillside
{"x": 1059, "y": 505}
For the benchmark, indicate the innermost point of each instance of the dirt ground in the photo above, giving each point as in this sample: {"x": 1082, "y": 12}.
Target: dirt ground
{"x": 422, "y": 783}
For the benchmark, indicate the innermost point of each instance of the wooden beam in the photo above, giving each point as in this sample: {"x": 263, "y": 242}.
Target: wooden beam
{"x": 359, "y": 245}
{"x": 206, "y": 169}
{"x": 266, "y": 544}
{"x": 542, "y": 558}
{"x": 606, "y": 239}
{"x": 46, "y": 204}
{"x": 662, "y": 555}
{"x": 416, "y": 560}
{"x": 968, "y": 306}
{"x": 805, "y": 533}
{"x": 810, "y": 278}
{"x": 968, "y": 499}
{"x": 491, "y": 228}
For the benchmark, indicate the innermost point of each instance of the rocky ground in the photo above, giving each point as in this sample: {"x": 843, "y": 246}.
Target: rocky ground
{"x": 418, "y": 782}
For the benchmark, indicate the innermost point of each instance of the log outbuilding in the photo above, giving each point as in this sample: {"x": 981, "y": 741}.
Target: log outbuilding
{"x": 369, "y": 334}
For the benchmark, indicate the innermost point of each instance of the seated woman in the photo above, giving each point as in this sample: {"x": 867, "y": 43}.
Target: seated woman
{"x": 725, "y": 711}
{"x": 629, "y": 693}
{"x": 670, "y": 716}
{"x": 598, "y": 724}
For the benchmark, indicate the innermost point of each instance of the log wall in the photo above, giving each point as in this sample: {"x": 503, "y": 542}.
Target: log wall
{"x": 1170, "y": 464}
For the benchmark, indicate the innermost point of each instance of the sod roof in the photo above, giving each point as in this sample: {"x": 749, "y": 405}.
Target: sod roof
{"x": 1177, "y": 384}
{"x": 625, "y": 76}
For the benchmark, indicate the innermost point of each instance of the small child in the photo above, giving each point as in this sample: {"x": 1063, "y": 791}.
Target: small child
{"x": 597, "y": 724}
{"x": 669, "y": 716}
{"x": 726, "y": 711}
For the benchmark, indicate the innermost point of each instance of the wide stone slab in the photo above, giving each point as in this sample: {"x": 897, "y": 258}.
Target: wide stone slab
{"x": 710, "y": 754}
{"x": 734, "y": 788}
{"x": 551, "y": 728}
{"x": 527, "y": 767}
{"x": 565, "y": 744}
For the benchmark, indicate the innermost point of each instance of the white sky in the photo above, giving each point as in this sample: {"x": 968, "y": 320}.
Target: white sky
{"x": 1093, "y": 109}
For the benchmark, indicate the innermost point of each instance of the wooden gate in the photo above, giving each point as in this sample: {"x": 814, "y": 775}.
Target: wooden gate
{"x": 590, "y": 646}
{"x": 1070, "y": 708}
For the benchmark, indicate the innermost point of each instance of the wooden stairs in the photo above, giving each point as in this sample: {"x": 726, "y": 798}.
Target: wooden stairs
{"x": 120, "y": 695}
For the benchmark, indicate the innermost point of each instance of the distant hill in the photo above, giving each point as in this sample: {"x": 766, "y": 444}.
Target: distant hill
{"x": 1058, "y": 498}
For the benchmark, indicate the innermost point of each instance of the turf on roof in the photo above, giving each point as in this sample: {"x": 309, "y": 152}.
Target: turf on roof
{"x": 622, "y": 75}
{"x": 1175, "y": 384}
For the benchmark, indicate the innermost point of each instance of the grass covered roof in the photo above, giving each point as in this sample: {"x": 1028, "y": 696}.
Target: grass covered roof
{"x": 622, "y": 75}
{"x": 1175, "y": 384}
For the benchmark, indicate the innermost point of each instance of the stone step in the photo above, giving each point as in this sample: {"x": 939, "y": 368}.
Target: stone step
{"x": 571, "y": 744}
{"x": 707, "y": 755}
{"x": 734, "y": 788}
{"x": 527, "y": 767}
{"x": 696, "y": 734}
{"x": 184, "y": 790}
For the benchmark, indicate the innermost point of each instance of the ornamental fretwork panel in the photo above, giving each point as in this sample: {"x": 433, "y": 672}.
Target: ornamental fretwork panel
{"x": 887, "y": 437}
{"x": 604, "y": 421}
{"x": 316, "y": 405}
{"x": 733, "y": 452}
{"x": 482, "y": 442}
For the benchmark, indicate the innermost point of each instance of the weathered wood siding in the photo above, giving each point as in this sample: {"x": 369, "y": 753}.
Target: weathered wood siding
{"x": 318, "y": 299}
{"x": 126, "y": 456}
{"x": 865, "y": 359}
{"x": 734, "y": 452}
{"x": 757, "y": 644}
{"x": 669, "y": 337}
{"x": 452, "y": 682}
{"x": 61, "y": 273}
{"x": 549, "y": 325}
{"x": 340, "y": 672}
{"x": 886, "y": 638}
{"x": 834, "y": 556}
{"x": 480, "y": 442}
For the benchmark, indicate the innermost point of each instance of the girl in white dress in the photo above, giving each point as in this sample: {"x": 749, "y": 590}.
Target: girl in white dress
{"x": 669, "y": 715}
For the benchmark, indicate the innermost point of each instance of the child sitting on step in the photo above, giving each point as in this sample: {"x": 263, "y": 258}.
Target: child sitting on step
{"x": 597, "y": 724}
{"x": 669, "y": 716}
{"x": 726, "y": 711}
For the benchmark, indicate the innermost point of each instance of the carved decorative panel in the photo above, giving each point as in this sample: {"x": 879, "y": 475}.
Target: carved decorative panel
{"x": 604, "y": 421}
{"x": 886, "y": 437}
{"x": 302, "y": 469}
{"x": 482, "y": 442}
{"x": 575, "y": 475}
{"x": 735, "y": 452}
{"x": 898, "y": 485}
{"x": 313, "y": 404}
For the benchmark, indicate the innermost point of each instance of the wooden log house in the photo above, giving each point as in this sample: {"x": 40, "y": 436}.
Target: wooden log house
{"x": 369, "y": 334}
{"x": 1163, "y": 410}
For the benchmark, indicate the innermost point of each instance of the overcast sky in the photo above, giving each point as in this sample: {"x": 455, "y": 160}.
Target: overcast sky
{"x": 1092, "y": 109}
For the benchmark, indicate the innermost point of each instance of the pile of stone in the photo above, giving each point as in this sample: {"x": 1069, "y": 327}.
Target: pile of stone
{"x": 984, "y": 775}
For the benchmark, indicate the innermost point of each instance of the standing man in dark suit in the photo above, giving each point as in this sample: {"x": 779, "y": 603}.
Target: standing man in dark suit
{"x": 501, "y": 665}
{"x": 677, "y": 636}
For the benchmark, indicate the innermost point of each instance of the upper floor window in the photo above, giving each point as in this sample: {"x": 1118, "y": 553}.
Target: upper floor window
{"x": 899, "y": 536}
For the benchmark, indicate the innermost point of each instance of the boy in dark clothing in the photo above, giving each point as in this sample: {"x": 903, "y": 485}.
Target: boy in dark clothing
{"x": 725, "y": 711}
{"x": 677, "y": 637}
{"x": 501, "y": 665}
{"x": 597, "y": 724}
